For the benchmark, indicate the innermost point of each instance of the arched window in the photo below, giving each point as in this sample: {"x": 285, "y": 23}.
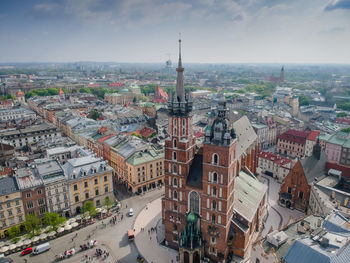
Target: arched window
{"x": 215, "y": 159}
{"x": 194, "y": 202}
{"x": 175, "y": 143}
{"x": 213, "y": 218}
{"x": 174, "y": 155}
{"x": 175, "y": 182}
{"x": 175, "y": 195}
{"x": 174, "y": 169}
{"x": 214, "y": 205}
{"x": 214, "y": 191}
{"x": 215, "y": 177}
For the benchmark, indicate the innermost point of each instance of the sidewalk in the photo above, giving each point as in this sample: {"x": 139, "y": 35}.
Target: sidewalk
{"x": 146, "y": 241}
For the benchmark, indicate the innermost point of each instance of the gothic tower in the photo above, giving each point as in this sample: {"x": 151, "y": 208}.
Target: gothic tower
{"x": 179, "y": 153}
{"x": 219, "y": 171}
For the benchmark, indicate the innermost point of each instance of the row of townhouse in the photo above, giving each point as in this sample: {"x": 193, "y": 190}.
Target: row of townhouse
{"x": 34, "y": 133}
{"x": 136, "y": 163}
{"x": 295, "y": 143}
{"x": 274, "y": 165}
{"x": 48, "y": 186}
{"x": 16, "y": 113}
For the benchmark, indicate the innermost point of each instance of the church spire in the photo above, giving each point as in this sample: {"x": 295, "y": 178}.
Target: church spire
{"x": 180, "y": 90}
{"x": 180, "y": 62}
{"x": 180, "y": 103}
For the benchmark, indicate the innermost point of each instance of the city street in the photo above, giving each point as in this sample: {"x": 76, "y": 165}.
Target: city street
{"x": 112, "y": 238}
{"x": 147, "y": 240}
{"x": 278, "y": 215}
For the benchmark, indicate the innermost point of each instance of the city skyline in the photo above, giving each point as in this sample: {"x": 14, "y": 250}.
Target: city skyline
{"x": 267, "y": 31}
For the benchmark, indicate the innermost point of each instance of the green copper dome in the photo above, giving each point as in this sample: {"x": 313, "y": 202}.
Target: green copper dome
{"x": 191, "y": 217}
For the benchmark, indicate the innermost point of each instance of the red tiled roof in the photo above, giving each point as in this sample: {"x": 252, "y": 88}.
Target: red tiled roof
{"x": 146, "y": 132}
{"x": 277, "y": 159}
{"x": 93, "y": 85}
{"x": 116, "y": 84}
{"x": 60, "y": 91}
{"x": 345, "y": 120}
{"x": 313, "y": 135}
{"x": 103, "y": 130}
{"x": 294, "y": 136}
{"x": 101, "y": 140}
{"x": 199, "y": 134}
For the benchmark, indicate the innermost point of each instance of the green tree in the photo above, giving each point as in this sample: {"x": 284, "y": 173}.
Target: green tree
{"x": 32, "y": 223}
{"x": 342, "y": 114}
{"x": 303, "y": 100}
{"x": 53, "y": 220}
{"x": 344, "y": 105}
{"x": 90, "y": 208}
{"x": 95, "y": 114}
{"x": 14, "y": 231}
{"x": 108, "y": 203}
{"x": 137, "y": 135}
{"x": 347, "y": 130}
{"x": 85, "y": 90}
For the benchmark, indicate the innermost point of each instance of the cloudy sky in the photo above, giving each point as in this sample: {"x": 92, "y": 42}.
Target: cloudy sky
{"x": 213, "y": 31}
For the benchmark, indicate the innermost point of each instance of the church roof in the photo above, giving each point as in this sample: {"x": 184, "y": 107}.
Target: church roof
{"x": 245, "y": 134}
{"x": 313, "y": 167}
{"x": 249, "y": 192}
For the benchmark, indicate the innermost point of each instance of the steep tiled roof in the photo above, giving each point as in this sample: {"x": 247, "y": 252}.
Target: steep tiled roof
{"x": 313, "y": 135}
{"x": 245, "y": 135}
{"x": 294, "y": 136}
{"x": 277, "y": 159}
{"x": 249, "y": 192}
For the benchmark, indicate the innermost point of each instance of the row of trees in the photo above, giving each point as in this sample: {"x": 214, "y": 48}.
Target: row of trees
{"x": 54, "y": 220}
{"x": 44, "y": 92}
{"x": 7, "y": 97}
{"x": 345, "y": 105}
{"x": 33, "y": 224}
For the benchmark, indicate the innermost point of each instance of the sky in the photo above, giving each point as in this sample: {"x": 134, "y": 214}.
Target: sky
{"x": 212, "y": 31}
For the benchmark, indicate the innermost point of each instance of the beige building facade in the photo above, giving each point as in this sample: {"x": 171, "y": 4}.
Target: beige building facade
{"x": 11, "y": 205}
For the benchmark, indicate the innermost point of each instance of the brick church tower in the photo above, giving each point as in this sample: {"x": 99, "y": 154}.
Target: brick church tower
{"x": 179, "y": 152}
{"x": 213, "y": 203}
{"x": 219, "y": 171}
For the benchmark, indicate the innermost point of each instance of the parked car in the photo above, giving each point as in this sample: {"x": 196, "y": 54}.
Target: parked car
{"x": 27, "y": 251}
{"x": 42, "y": 248}
{"x": 131, "y": 212}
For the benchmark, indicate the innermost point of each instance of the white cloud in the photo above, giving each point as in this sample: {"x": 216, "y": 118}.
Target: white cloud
{"x": 45, "y": 7}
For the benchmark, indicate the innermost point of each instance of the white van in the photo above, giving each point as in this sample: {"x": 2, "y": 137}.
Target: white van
{"x": 131, "y": 212}
{"x": 41, "y": 248}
